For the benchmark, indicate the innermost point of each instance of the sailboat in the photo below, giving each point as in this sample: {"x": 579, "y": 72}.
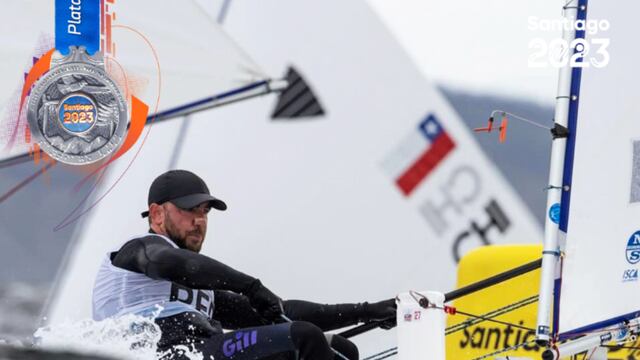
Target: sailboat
{"x": 596, "y": 293}
{"x": 388, "y": 166}
{"x": 589, "y": 296}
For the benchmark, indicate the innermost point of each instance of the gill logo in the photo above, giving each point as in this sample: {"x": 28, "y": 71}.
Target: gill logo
{"x": 241, "y": 341}
{"x": 633, "y": 248}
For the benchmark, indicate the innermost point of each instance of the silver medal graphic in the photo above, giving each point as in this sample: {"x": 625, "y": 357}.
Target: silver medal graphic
{"x": 76, "y": 113}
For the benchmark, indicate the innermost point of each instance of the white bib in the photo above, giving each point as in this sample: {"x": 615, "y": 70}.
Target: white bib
{"x": 118, "y": 291}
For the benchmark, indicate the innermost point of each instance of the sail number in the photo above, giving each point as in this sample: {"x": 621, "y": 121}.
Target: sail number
{"x": 579, "y": 53}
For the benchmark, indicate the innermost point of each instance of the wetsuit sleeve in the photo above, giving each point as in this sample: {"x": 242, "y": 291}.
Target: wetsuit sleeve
{"x": 157, "y": 259}
{"x": 326, "y": 317}
{"x": 234, "y": 311}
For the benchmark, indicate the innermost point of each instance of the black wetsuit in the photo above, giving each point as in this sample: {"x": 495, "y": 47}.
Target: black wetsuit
{"x": 255, "y": 336}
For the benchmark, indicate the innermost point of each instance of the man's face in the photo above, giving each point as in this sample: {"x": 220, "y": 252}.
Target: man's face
{"x": 187, "y": 228}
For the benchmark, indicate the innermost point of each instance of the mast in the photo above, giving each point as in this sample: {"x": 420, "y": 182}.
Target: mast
{"x": 551, "y": 249}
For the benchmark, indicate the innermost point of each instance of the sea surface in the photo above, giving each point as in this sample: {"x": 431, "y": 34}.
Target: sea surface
{"x": 23, "y": 328}
{"x": 21, "y": 306}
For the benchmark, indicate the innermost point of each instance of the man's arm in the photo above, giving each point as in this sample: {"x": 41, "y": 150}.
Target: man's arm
{"x": 335, "y": 316}
{"x": 154, "y": 257}
{"x": 234, "y": 312}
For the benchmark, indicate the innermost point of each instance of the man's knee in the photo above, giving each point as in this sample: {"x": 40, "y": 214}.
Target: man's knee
{"x": 307, "y": 330}
{"x": 343, "y": 346}
{"x": 310, "y": 341}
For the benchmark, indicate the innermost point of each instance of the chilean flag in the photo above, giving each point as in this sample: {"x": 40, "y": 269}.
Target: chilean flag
{"x": 418, "y": 154}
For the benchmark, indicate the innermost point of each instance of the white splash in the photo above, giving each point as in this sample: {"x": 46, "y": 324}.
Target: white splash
{"x": 126, "y": 337}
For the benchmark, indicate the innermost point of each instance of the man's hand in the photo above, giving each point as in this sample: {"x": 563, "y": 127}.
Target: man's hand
{"x": 380, "y": 311}
{"x": 266, "y": 303}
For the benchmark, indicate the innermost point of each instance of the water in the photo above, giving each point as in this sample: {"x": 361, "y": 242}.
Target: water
{"x": 127, "y": 337}
{"x": 20, "y": 308}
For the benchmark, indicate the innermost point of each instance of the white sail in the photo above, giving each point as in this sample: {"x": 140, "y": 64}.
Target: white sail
{"x": 314, "y": 209}
{"x": 28, "y": 39}
{"x": 171, "y": 55}
{"x": 196, "y": 57}
{"x": 600, "y": 283}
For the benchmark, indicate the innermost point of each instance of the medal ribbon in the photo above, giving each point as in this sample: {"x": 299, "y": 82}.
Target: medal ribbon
{"x": 77, "y": 24}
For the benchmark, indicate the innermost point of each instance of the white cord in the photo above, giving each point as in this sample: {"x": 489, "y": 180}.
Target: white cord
{"x": 531, "y": 122}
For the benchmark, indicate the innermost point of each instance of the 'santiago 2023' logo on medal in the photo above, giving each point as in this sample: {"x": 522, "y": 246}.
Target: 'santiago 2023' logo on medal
{"x": 76, "y": 112}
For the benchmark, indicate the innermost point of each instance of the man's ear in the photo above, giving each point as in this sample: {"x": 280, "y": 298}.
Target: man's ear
{"x": 156, "y": 214}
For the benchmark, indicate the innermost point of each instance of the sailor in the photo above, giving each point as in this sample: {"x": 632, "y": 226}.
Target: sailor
{"x": 194, "y": 297}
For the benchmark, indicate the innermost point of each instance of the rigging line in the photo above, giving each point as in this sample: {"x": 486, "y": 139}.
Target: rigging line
{"x": 460, "y": 292}
{"x": 494, "y": 313}
{"x": 531, "y": 122}
{"x": 392, "y": 351}
{"x": 514, "y": 347}
{"x": 170, "y": 114}
{"x": 510, "y": 307}
{"x": 222, "y": 14}
{"x": 389, "y": 352}
{"x": 177, "y": 149}
{"x": 206, "y": 103}
{"x": 494, "y": 320}
{"x": 386, "y": 356}
{"x": 622, "y": 347}
{"x": 497, "y": 312}
{"x": 566, "y": 5}
{"x": 19, "y": 186}
{"x": 26, "y": 181}
{"x": 493, "y": 280}
{"x": 155, "y": 118}
{"x": 15, "y": 160}
{"x": 427, "y": 304}
{"x": 184, "y": 127}
{"x": 595, "y": 331}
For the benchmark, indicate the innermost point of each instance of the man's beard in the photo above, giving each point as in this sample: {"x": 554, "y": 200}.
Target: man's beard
{"x": 175, "y": 236}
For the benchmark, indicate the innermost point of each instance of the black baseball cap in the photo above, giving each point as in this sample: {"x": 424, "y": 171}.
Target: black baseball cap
{"x": 183, "y": 189}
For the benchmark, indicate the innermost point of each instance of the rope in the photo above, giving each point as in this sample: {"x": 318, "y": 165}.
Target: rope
{"x": 482, "y": 318}
{"x": 384, "y": 354}
{"x": 515, "y": 347}
{"x": 576, "y": 335}
{"x": 530, "y": 122}
{"x": 393, "y": 351}
{"x": 566, "y": 5}
{"x": 465, "y": 324}
{"x": 488, "y": 316}
{"x": 622, "y": 347}
{"x": 424, "y": 302}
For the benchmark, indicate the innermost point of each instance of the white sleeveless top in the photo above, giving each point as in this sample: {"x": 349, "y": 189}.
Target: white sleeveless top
{"x": 117, "y": 291}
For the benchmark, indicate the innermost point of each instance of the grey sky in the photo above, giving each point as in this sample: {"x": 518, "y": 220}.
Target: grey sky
{"x": 481, "y": 46}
